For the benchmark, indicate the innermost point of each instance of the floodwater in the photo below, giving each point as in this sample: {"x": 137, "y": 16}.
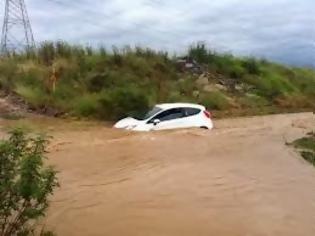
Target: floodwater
{"x": 237, "y": 180}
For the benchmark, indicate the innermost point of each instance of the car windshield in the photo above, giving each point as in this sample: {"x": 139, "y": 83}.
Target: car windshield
{"x": 151, "y": 113}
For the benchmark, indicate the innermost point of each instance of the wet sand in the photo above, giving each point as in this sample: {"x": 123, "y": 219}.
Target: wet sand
{"x": 239, "y": 179}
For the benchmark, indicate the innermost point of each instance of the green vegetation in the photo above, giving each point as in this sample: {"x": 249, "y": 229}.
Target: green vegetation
{"x": 306, "y": 146}
{"x": 109, "y": 85}
{"x": 25, "y": 183}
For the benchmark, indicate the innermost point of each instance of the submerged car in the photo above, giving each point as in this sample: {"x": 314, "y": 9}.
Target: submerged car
{"x": 169, "y": 116}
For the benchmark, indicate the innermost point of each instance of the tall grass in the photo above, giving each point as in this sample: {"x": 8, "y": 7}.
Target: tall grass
{"x": 112, "y": 83}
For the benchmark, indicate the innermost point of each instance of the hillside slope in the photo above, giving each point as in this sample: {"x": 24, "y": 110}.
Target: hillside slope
{"x": 87, "y": 82}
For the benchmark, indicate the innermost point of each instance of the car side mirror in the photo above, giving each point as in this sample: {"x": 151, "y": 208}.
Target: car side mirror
{"x": 156, "y": 121}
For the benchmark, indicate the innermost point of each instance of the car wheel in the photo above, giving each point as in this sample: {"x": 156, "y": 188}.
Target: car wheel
{"x": 204, "y": 127}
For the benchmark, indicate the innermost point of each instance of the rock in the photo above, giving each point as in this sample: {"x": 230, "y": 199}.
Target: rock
{"x": 238, "y": 87}
{"x": 196, "y": 93}
{"x": 251, "y": 95}
{"x": 49, "y": 111}
{"x": 181, "y": 80}
{"x": 232, "y": 102}
{"x": 211, "y": 76}
{"x": 210, "y": 88}
{"x": 220, "y": 87}
{"x": 202, "y": 80}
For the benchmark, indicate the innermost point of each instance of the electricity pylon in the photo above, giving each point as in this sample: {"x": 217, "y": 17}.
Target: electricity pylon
{"x": 17, "y": 33}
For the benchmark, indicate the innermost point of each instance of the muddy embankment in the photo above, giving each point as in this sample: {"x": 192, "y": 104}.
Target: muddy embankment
{"x": 239, "y": 179}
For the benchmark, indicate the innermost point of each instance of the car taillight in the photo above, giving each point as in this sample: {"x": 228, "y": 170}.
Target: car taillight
{"x": 207, "y": 114}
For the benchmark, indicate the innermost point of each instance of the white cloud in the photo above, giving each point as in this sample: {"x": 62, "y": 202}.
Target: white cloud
{"x": 276, "y": 29}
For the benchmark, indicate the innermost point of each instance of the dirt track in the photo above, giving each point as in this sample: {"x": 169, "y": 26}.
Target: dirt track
{"x": 239, "y": 179}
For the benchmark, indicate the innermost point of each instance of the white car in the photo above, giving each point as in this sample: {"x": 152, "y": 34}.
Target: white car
{"x": 169, "y": 116}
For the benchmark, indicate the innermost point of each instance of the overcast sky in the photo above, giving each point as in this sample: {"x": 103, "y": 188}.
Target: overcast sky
{"x": 280, "y": 30}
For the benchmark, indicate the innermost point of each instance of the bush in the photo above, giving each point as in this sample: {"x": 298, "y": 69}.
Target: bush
{"x": 33, "y": 77}
{"x": 122, "y": 102}
{"x": 36, "y": 97}
{"x": 294, "y": 101}
{"x": 252, "y": 66}
{"x": 176, "y": 96}
{"x": 199, "y": 52}
{"x": 25, "y": 183}
{"x": 46, "y": 53}
{"x": 86, "y": 105}
{"x": 253, "y": 101}
{"x": 236, "y": 71}
{"x": 306, "y": 146}
{"x": 215, "y": 101}
{"x": 224, "y": 64}
{"x": 271, "y": 85}
{"x": 98, "y": 82}
{"x": 8, "y": 71}
{"x": 186, "y": 86}
{"x": 306, "y": 143}
{"x": 309, "y": 156}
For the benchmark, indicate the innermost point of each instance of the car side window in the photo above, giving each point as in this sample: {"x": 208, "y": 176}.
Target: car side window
{"x": 170, "y": 114}
{"x": 191, "y": 111}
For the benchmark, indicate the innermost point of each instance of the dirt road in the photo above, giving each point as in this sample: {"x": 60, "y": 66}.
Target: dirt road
{"x": 239, "y": 179}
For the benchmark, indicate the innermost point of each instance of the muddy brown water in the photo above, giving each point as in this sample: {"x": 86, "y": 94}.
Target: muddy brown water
{"x": 239, "y": 179}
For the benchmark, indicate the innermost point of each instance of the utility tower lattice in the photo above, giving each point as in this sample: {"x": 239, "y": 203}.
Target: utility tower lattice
{"x": 17, "y": 33}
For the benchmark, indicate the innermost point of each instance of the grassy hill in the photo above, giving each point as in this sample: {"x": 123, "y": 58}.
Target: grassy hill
{"x": 109, "y": 85}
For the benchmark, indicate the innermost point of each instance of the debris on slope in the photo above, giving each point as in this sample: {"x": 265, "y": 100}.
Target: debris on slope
{"x": 11, "y": 107}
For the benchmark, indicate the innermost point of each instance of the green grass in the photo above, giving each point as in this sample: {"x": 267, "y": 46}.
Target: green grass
{"x": 215, "y": 101}
{"x": 109, "y": 84}
{"x": 34, "y": 96}
{"x": 85, "y": 106}
{"x": 307, "y": 143}
{"x": 306, "y": 146}
{"x": 309, "y": 156}
{"x": 11, "y": 116}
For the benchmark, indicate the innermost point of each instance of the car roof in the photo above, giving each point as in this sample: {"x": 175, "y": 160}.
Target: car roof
{"x": 165, "y": 106}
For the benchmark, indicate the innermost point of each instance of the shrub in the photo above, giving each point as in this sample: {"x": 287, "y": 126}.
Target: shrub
{"x": 33, "y": 77}
{"x": 215, "y": 101}
{"x": 25, "y": 183}
{"x": 252, "y": 66}
{"x": 199, "y": 52}
{"x": 236, "y": 71}
{"x": 36, "y": 97}
{"x": 98, "y": 82}
{"x": 139, "y": 65}
{"x": 186, "y": 86}
{"x": 8, "y": 70}
{"x": 271, "y": 85}
{"x": 86, "y": 105}
{"x": 223, "y": 63}
{"x": 306, "y": 143}
{"x": 297, "y": 101}
{"x": 253, "y": 101}
{"x": 306, "y": 146}
{"x": 122, "y": 102}
{"x": 46, "y": 53}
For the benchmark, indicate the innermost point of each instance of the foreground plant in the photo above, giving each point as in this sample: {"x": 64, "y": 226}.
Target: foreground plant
{"x": 25, "y": 184}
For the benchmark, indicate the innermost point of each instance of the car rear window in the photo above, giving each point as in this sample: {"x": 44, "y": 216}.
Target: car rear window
{"x": 191, "y": 111}
{"x": 170, "y": 114}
